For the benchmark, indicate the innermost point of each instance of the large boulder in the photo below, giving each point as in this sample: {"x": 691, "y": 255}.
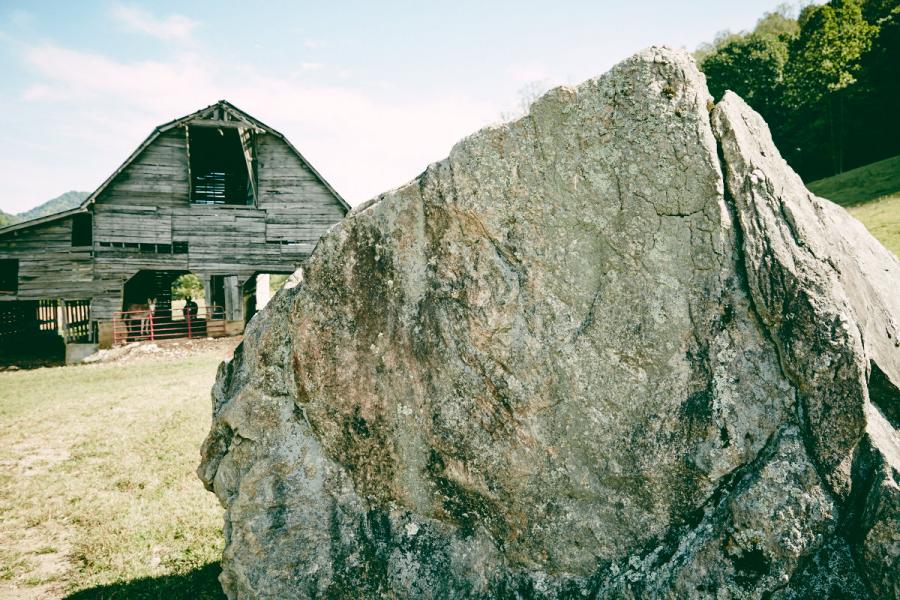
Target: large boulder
{"x": 614, "y": 349}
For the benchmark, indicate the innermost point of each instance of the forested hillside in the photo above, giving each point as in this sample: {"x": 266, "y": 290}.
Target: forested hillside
{"x": 827, "y": 80}
{"x": 59, "y": 204}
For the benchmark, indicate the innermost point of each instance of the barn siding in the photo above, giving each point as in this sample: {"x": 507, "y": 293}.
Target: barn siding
{"x": 157, "y": 177}
{"x": 299, "y": 207}
{"x": 49, "y": 266}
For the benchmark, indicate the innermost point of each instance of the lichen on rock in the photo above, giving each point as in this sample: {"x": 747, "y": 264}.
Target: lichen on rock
{"x": 613, "y": 349}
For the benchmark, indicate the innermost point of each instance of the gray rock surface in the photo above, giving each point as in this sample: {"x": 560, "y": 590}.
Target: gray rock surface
{"x": 614, "y": 349}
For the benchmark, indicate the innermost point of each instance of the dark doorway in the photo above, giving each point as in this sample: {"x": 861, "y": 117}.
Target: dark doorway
{"x": 217, "y": 292}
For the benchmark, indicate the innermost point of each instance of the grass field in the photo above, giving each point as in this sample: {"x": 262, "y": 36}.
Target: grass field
{"x": 872, "y": 195}
{"x": 882, "y": 218}
{"x": 98, "y": 496}
{"x": 863, "y": 184}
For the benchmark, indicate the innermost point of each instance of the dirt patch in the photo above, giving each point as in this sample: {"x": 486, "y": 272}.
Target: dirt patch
{"x": 42, "y": 562}
{"x": 31, "y": 460}
{"x": 165, "y": 350}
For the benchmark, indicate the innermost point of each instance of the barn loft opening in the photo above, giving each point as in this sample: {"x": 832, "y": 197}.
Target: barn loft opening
{"x": 82, "y": 230}
{"x": 221, "y": 166}
{"x": 9, "y": 275}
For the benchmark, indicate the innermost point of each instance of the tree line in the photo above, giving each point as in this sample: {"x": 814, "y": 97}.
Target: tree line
{"x": 826, "y": 79}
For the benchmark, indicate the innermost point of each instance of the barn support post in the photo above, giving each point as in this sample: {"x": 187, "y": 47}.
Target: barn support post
{"x": 207, "y": 288}
{"x": 62, "y": 322}
{"x": 233, "y": 297}
{"x": 234, "y": 305}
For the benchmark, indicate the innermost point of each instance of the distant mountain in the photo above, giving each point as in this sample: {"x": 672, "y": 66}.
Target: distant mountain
{"x": 50, "y": 207}
{"x": 58, "y": 204}
{"x": 7, "y": 219}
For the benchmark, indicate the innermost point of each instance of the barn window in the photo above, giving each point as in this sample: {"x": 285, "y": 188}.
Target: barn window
{"x": 220, "y": 166}
{"x": 82, "y": 230}
{"x": 9, "y": 275}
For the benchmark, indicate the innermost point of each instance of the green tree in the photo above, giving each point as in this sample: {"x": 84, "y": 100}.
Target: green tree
{"x": 875, "y": 10}
{"x": 779, "y": 23}
{"x": 722, "y": 39}
{"x": 827, "y": 82}
{"x": 824, "y": 63}
{"x": 874, "y": 121}
{"x": 752, "y": 66}
{"x": 187, "y": 285}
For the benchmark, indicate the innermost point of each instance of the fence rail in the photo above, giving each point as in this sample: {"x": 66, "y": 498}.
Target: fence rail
{"x": 145, "y": 325}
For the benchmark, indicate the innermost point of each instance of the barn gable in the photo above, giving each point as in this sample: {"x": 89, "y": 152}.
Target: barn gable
{"x": 169, "y": 146}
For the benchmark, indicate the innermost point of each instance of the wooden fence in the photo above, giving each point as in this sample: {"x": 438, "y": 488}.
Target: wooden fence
{"x": 76, "y": 321}
{"x": 70, "y": 318}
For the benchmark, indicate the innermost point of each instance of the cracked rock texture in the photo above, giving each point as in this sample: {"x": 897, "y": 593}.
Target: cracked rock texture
{"x": 614, "y": 349}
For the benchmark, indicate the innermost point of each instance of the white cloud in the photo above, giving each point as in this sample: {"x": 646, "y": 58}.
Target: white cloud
{"x": 363, "y": 141}
{"x": 72, "y": 75}
{"x": 311, "y": 66}
{"x": 171, "y": 28}
{"x": 314, "y": 44}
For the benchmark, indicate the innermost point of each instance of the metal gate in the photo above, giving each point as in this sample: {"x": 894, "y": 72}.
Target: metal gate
{"x": 145, "y": 325}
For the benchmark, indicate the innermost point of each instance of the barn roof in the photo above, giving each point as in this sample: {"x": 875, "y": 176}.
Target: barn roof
{"x": 221, "y": 113}
{"x": 41, "y": 220}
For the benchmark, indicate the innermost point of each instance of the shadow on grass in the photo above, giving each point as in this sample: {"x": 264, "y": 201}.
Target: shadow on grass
{"x": 201, "y": 583}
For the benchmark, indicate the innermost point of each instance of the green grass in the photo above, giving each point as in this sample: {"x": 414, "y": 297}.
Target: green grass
{"x": 98, "y": 496}
{"x": 882, "y": 218}
{"x": 872, "y": 195}
{"x": 860, "y": 185}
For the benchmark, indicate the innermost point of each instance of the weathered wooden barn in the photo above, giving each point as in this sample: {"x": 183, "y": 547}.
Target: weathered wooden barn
{"x": 216, "y": 193}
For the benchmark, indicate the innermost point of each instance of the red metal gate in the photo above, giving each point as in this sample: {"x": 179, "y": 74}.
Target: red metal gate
{"x": 144, "y": 325}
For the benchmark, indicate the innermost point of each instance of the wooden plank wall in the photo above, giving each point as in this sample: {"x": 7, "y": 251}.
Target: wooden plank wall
{"x": 158, "y": 177}
{"x": 148, "y": 204}
{"x": 49, "y": 266}
{"x": 136, "y": 224}
{"x": 299, "y": 208}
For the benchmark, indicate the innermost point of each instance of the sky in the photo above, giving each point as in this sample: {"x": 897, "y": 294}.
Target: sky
{"x": 369, "y": 92}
